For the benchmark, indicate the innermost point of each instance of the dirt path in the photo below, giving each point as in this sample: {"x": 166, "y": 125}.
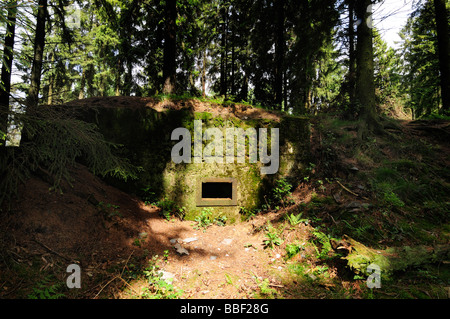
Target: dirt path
{"x": 102, "y": 228}
{"x": 219, "y": 262}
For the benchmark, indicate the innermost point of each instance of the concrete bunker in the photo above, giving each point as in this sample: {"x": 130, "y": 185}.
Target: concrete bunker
{"x": 145, "y": 132}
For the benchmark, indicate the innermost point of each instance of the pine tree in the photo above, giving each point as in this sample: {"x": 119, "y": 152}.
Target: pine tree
{"x": 443, "y": 40}
{"x": 5, "y": 81}
{"x": 365, "y": 85}
{"x": 39, "y": 44}
{"x": 170, "y": 47}
{"x": 421, "y": 67}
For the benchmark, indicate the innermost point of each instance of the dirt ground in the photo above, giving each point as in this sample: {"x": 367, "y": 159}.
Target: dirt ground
{"x": 242, "y": 111}
{"x": 99, "y": 228}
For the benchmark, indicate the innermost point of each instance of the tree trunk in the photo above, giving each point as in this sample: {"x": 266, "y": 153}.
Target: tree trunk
{"x": 444, "y": 52}
{"x": 39, "y": 43}
{"x": 7, "y": 66}
{"x": 365, "y": 86}
{"x": 233, "y": 61}
{"x": 351, "y": 49}
{"x": 224, "y": 53}
{"x": 285, "y": 90}
{"x": 244, "y": 89}
{"x": 204, "y": 74}
{"x": 279, "y": 52}
{"x": 170, "y": 46}
{"x": 307, "y": 99}
{"x": 82, "y": 84}
{"x": 51, "y": 80}
{"x": 119, "y": 71}
{"x": 90, "y": 80}
{"x": 128, "y": 79}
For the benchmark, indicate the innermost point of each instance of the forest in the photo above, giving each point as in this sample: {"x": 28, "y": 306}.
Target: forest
{"x": 373, "y": 189}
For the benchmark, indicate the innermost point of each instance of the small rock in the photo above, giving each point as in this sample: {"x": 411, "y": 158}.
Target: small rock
{"x": 190, "y": 239}
{"x": 227, "y": 241}
{"x": 181, "y": 250}
{"x": 213, "y": 257}
{"x": 354, "y": 168}
{"x": 167, "y": 276}
{"x": 173, "y": 240}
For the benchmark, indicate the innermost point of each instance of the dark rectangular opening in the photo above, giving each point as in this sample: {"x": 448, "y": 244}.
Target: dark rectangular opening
{"x": 217, "y": 190}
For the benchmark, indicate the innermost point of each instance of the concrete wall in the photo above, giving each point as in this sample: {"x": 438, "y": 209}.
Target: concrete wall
{"x": 146, "y": 135}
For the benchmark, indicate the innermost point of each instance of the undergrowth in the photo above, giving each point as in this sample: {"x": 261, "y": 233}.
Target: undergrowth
{"x": 53, "y": 140}
{"x": 382, "y": 194}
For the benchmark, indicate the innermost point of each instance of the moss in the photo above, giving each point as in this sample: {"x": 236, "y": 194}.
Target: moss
{"x": 204, "y": 116}
{"x": 392, "y": 259}
{"x": 146, "y": 134}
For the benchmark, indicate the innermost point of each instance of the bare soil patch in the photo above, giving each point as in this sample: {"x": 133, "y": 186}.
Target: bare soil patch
{"x": 242, "y": 111}
{"x": 101, "y": 228}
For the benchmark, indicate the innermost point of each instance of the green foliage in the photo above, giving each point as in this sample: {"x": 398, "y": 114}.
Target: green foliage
{"x": 158, "y": 288}
{"x": 220, "y": 220}
{"x": 387, "y": 75}
{"x": 246, "y": 213}
{"x": 265, "y": 289}
{"x": 168, "y": 207}
{"x": 421, "y": 60}
{"x": 54, "y": 140}
{"x": 109, "y": 210}
{"x": 321, "y": 240}
{"x": 296, "y": 219}
{"x": 282, "y": 191}
{"x": 2, "y": 138}
{"x": 273, "y": 237}
{"x": 206, "y": 219}
{"x": 148, "y": 196}
{"x": 309, "y": 169}
{"x": 403, "y": 182}
{"x": 46, "y": 290}
{"x": 280, "y": 195}
{"x": 392, "y": 199}
{"x": 293, "y": 249}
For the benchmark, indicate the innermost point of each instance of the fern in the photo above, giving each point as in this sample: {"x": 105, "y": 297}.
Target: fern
{"x": 45, "y": 290}
{"x": 325, "y": 244}
{"x": 53, "y": 140}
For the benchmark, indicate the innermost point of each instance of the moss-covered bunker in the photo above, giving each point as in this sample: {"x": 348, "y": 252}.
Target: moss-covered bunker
{"x": 146, "y": 135}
